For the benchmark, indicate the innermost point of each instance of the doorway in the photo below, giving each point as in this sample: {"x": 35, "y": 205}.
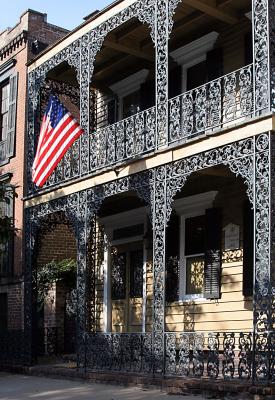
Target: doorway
{"x": 127, "y": 261}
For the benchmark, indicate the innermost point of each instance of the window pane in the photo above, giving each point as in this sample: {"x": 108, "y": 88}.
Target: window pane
{"x": 118, "y": 275}
{"x": 4, "y": 108}
{"x": 194, "y": 275}
{"x": 196, "y": 75}
{"x": 136, "y": 274}
{"x": 131, "y": 104}
{"x": 194, "y": 235}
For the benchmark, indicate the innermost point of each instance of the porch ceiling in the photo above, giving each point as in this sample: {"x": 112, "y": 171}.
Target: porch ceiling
{"x": 129, "y": 48}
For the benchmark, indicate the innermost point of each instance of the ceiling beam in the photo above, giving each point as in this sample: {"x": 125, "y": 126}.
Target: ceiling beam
{"x": 213, "y": 11}
{"x": 179, "y": 25}
{"x": 133, "y": 50}
{"x": 110, "y": 64}
{"x": 133, "y": 28}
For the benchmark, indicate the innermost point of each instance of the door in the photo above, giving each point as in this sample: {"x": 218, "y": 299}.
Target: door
{"x": 127, "y": 287}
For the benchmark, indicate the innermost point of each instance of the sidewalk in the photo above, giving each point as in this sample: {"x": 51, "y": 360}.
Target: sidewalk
{"x": 23, "y": 387}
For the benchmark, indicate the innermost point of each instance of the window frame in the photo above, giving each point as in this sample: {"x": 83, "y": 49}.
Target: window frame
{"x": 9, "y": 245}
{"x": 183, "y": 259}
{"x": 7, "y": 146}
{"x": 193, "y": 53}
{"x": 189, "y": 207}
{"x": 5, "y": 82}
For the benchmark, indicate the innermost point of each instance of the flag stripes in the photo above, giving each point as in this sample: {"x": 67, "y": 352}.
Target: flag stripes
{"x": 58, "y": 132}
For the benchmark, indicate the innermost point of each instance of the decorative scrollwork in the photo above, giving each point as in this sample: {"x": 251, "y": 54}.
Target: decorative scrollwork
{"x": 228, "y": 367}
{"x": 184, "y": 354}
{"x": 237, "y": 156}
{"x": 245, "y": 356}
{"x": 198, "y": 354}
{"x": 211, "y": 106}
{"x": 261, "y": 53}
{"x": 170, "y": 354}
{"x": 213, "y": 355}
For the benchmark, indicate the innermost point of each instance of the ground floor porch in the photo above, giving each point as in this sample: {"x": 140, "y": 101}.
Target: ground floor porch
{"x": 174, "y": 267}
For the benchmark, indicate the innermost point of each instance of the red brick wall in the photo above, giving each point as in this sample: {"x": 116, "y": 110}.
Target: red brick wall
{"x": 56, "y": 245}
{"x": 37, "y": 28}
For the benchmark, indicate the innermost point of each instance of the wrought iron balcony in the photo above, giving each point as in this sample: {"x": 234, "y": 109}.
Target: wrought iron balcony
{"x": 204, "y": 110}
{"x": 187, "y": 354}
{"x": 124, "y": 140}
{"x": 212, "y": 106}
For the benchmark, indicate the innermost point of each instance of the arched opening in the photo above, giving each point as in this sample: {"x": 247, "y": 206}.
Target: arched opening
{"x": 210, "y": 57}
{"x": 121, "y": 255}
{"x": 123, "y": 85}
{"x": 54, "y": 280}
{"x": 211, "y": 216}
{"x": 209, "y": 274}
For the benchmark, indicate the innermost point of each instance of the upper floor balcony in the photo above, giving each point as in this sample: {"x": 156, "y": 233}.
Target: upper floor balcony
{"x": 143, "y": 78}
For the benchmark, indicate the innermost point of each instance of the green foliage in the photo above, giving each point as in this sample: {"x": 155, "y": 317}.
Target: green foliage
{"x": 54, "y": 272}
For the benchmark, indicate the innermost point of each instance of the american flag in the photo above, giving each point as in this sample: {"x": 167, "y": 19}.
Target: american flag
{"x": 58, "y": 132}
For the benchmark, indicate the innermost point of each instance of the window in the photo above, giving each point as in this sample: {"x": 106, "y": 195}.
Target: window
{"x": 194, "y": 254}
{"x": 196, "y": 75}
{"x": 128, "y": 92}
{"x": 4, "y": 96}
{"x": 8, "y": 99}
{"x": 131, "y": 104}
{"x": 199, "y": 62}
{"x": 6, "y": 210}
{"x": 199, "y": 251}
{"x": 3, "y": 311}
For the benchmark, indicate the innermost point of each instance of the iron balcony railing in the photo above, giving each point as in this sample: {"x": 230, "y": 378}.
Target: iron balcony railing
{"x": 124, "y": 140}
{"x": 211, "y": 355}
{"x": 212, "y": 106}
{"x": 202, "y": 111}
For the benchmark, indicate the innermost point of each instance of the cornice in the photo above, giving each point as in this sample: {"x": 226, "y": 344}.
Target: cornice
{"x": 13, "y": 44}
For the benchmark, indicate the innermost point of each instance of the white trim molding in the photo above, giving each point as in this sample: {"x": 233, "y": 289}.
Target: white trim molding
{"x": 129, "y": 85}
{"x": 193, "y": 53}
{"x": 110, "y": 223}
{"x": 187, "y": 207}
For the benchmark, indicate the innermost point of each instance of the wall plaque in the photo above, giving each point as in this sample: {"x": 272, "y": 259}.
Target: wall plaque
{"x": 231, "y": 237}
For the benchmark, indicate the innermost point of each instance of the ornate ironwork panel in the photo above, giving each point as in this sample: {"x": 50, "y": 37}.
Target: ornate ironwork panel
{"x": 124, "y": 140}
{"x": 162, "y": 36}
{"x": 184, "y": 354}
{"x": 245, "y": 356}
{"x": 119, "y": 352}
{"x": 228, "y": 369}
{"x": 198, "y": 354}
{"x": 263, "y": 13}
{"x": 159, "y": 233}
{"x": 118, "y": 276}
{"x": 136, "y": 274}
{"x": 213, "y": 363}
{"x": 170, "y": 354}
{"x": 212, "y": 106}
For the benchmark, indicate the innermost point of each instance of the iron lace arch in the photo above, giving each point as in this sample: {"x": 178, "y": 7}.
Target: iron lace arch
{"x": 248, "y": 158}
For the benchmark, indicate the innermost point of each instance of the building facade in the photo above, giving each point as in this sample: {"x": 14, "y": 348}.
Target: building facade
{"x": 169, "y": 192}
{"x": 18, "y": 45}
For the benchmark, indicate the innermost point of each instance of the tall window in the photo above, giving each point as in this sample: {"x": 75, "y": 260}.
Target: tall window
{"x": 8, "y": 107}
{"x": 6, "y": 218}
{"x": 4, "y": 97}
{"x": 194, "y": 254}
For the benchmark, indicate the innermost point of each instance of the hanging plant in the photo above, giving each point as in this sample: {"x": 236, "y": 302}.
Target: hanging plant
{"x": 54, "y": 272}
